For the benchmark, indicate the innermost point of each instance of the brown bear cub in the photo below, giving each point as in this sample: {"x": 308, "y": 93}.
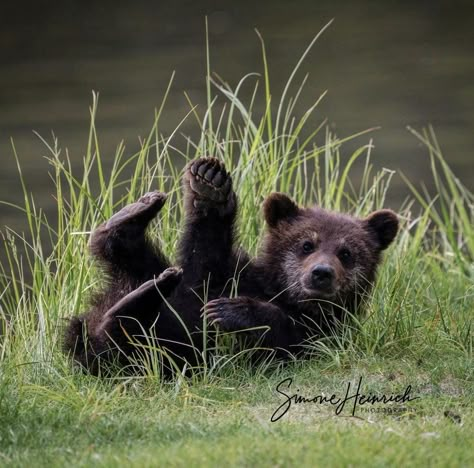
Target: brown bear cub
{"x": 314, "y": 267}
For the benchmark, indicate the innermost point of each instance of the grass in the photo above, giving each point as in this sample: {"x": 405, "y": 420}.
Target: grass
{"x": 417, "y": 330}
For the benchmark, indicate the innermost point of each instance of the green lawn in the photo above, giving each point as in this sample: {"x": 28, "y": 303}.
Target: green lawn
{"x": 83, "y": 421}
{"x": 416, "y": 331}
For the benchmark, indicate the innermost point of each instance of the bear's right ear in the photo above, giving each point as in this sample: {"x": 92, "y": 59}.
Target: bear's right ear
{"x": 278, "y": 207}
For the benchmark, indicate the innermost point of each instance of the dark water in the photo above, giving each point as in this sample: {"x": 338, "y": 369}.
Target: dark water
{"x": 388, "y": 64}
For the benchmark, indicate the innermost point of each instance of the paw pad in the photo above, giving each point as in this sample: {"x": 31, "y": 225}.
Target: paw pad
{"x": 209, "y": 180}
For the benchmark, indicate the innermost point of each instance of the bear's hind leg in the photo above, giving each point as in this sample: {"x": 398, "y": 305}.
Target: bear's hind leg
{"x": 121, "y": 245}
{"x": 210, "y": 207}
{"x": 141, "y": 305}
{"x": 112, "y": 335}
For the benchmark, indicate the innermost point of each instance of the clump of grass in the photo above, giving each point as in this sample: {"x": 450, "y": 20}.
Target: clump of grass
{"x": 451, "y": 209}
{"x": 421, "y": 309}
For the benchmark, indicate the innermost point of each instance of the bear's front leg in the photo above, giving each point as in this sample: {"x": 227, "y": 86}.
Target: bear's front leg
{"x": 266, "y": 323}
{"x": 205, "y": 250}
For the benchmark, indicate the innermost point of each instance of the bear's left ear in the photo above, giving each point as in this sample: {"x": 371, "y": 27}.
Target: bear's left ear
{"x": 383, "y": 224}
{"x": 278, "y": 207}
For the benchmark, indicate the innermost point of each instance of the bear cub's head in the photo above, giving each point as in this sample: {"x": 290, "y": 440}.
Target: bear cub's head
{"x": 313, "y": 253}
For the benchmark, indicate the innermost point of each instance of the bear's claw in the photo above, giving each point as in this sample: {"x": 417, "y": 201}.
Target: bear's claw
{"x": 228, "y": 314}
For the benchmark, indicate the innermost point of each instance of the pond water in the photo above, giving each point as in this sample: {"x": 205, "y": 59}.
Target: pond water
{"x": 388, "y": 64}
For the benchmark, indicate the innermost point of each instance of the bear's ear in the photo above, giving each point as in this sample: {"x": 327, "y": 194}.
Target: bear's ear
{"x": 383, "y": 225}
{"x": 278, "y": 207}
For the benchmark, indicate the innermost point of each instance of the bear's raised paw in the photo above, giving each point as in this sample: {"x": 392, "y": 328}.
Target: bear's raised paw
{"x": 211, "y": 185}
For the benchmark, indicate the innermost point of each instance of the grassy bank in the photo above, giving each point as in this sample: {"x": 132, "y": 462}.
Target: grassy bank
{"x": 417, "y": 330}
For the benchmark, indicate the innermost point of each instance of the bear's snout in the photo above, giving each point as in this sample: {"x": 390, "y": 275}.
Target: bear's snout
{"x": 322, "y": 276}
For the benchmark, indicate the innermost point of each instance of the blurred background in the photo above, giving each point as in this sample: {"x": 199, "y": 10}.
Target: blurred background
{"x": 388, "y": 64}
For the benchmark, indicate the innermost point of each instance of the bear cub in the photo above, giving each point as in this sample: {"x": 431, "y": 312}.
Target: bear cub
{"x": 314, "y": 267}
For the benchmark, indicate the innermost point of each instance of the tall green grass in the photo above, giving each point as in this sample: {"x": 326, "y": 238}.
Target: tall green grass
{"x": 423, "y": 301}
{"x": 417, "y": 328}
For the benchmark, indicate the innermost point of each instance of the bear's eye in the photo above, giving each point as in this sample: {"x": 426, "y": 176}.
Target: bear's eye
{"x": 308, "y": 247}
{"x": 344, "y": 255}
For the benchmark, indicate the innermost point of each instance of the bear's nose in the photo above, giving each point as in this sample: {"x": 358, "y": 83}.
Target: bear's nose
{"x": 322, "y": 275}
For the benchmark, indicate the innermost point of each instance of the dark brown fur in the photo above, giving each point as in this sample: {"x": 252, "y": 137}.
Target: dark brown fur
{"x": 314, "y": 267}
